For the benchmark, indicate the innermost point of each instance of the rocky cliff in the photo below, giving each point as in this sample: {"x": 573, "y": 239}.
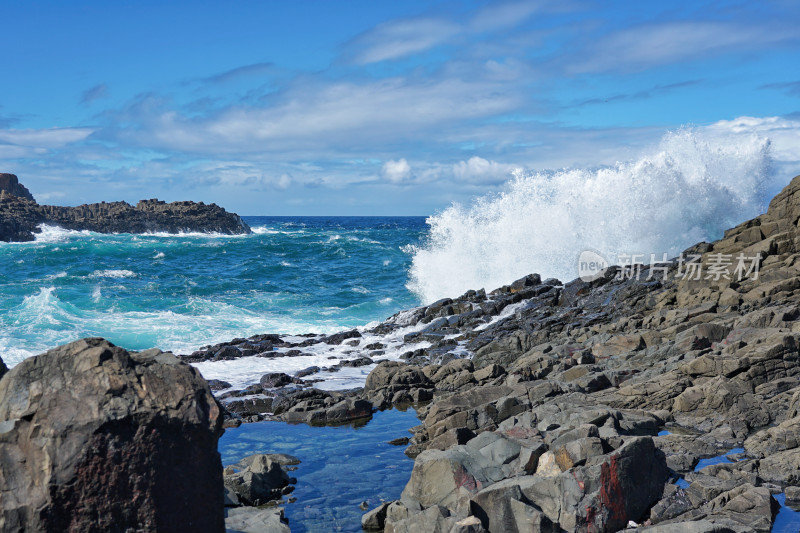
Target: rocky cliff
{"x": 94, "y": 438}
{"x": 20, "y": 216}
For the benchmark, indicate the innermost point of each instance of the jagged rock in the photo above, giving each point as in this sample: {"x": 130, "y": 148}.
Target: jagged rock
{"x": 435, "y": 519}
{"x": 784, "y": 436}
{"x": 753, "y": 507}
{"x": 95, "y": 438}
{"x": 698, "y": 526}
{"x": 375, "y": 519}
{"x": 275, "y": 379}
{"x": 21, "y": 216}
{"x": 217, "y": 385}
{"x": 11, "y": 185}
{"x": 259, "y": 480}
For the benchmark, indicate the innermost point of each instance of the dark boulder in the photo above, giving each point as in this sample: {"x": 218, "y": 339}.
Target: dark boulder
{"x": 275, "y": 379}
{"x": 95, "y": 438}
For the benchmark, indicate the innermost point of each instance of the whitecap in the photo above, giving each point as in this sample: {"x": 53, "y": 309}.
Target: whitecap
{"x": 113, "y": 273}
{"x": 264, "y": 230}
{"x": 690, "y": 189}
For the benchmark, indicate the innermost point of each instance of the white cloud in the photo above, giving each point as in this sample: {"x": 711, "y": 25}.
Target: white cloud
{"x": 500, "y": 16}
{"x": 480, "y": 170}
{"x": 340, "y": 117}
{"x": 396, "y": 171}
{"x": 44, "y": 138}
{"x": 658, "y": 44}
{"x": 401, "y": 38}
{"x": 283, "y": 182}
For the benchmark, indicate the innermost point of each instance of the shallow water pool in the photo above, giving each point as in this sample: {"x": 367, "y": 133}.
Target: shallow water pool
{"x": 341, "y": 466}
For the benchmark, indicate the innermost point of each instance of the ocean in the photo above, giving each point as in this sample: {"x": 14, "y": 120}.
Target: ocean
{"x": 292, "y": 275}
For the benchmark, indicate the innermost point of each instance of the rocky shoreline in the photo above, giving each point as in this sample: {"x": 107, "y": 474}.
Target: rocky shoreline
{"x": 545, "y": 406}
{"x": 21, "y": 216}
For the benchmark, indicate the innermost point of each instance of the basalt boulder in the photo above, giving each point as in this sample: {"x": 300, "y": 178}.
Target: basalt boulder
{"x": 95, "y": 438}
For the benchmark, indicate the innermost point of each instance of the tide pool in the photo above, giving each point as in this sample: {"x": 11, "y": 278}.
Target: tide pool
{"x": 341, "y": 466}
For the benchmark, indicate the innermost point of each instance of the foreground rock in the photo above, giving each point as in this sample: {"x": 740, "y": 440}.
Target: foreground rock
{"x": 20, "y": 216}
{"x": 95, "y": 438}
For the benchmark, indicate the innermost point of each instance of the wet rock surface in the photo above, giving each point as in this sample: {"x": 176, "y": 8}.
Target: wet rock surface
{"x": 21, "y": 216}
{"x": 586, "y": 406}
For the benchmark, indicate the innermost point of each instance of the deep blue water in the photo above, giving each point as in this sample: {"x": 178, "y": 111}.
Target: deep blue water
{"x": 341, "y": 466}
{"x": 180, "y": 292}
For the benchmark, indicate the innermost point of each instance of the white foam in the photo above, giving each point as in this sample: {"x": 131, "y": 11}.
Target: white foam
{"x": 691, "y": 188}
{"x": 51, "y": 234}
{"x": 264, "y": 230}
{"x": 248, "y": 370}
{"x": 113, "y": 273}
{"x": 504, "y": 314}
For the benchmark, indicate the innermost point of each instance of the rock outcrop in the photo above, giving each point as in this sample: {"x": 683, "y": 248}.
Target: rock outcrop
{"x": 21, "y": 216}
{"x": 11, "y": 185}
{"x": 94, "y": 438}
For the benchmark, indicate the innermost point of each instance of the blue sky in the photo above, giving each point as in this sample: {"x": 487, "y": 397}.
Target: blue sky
{"x": 370, "y": 108}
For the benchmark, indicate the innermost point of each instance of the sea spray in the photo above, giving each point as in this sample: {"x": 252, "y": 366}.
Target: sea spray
{"x": 691, "y": 188}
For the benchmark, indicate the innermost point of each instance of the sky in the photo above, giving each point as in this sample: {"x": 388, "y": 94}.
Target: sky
{"x": 374, "y": 108}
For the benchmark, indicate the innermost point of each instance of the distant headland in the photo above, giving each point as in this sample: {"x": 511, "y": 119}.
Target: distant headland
{"x": 21, "y": 216}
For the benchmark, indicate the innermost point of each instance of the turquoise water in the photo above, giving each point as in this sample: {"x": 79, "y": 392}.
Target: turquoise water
{"x": 180, "y": 292}
{"x": 341, "y": 466}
